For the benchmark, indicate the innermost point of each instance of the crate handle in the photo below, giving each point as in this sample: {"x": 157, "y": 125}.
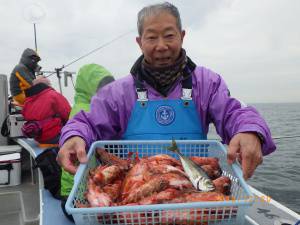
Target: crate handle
{"x": 76, "y": 176}
{"x": 79, "y": 172}
{"x": 237, "y": 169}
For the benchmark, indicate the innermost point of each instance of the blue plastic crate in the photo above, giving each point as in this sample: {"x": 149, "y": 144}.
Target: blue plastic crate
{"x": 224, "y": 212}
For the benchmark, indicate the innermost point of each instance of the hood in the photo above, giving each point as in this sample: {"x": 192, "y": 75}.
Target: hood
{"x": 30, "y": 59}
{"x": 87, "y": 82}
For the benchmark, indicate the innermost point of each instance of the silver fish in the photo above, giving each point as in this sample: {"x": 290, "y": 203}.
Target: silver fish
{"x": 196, "y": 174}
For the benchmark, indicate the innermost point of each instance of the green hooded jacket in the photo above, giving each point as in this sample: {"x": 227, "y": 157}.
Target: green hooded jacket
{"x": 90, "y": 78}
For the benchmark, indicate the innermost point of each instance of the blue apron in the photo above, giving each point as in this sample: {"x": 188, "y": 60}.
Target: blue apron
{"x": 165, "y": 119}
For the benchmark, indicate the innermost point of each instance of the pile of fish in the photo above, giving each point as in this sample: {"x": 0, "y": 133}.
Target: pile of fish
{"x": 155, "y": 179}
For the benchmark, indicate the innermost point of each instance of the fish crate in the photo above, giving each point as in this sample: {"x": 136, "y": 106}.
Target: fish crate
{"x": 206, "y": 212}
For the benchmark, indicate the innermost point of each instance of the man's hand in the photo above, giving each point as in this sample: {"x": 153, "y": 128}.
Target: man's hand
{"x": 71, "y": 151}
{"x": 245, "y": 147}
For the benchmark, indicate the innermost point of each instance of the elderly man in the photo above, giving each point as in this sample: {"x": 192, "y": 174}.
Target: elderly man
{"x": 181, "y": 101}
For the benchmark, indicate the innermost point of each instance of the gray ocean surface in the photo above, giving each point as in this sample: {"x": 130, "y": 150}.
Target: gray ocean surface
{"x": 279, "y": 175}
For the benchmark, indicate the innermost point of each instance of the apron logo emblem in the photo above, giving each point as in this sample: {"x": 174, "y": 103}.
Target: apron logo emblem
{"x": 165, "y": 115}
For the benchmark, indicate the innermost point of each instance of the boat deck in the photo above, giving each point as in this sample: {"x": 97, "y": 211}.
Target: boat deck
{"x": 51, "y": 208}
{"x": 20, "y": 204}
{"x": 267, "y": 211}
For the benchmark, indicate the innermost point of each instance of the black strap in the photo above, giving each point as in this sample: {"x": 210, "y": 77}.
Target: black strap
{"x": 4, "y": 128}
{"x": 188, "y": 82}
{"x": 139, "y": 84}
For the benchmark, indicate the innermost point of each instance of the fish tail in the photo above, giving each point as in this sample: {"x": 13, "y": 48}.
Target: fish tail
{"x": 174, "y": 147}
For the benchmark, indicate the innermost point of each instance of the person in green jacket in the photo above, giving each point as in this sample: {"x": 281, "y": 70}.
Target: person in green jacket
{"x": 90, "y": 79}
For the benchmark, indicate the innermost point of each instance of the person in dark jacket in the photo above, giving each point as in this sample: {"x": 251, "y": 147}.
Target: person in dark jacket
{"x": 23, "y": 74}
{"x": 46, "y": 111}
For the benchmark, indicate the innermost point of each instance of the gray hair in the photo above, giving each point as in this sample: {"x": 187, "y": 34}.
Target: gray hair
{"x": 156, "y": 9}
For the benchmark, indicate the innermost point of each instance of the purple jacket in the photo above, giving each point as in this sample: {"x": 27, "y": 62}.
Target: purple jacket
{"x": 112, "y": 105}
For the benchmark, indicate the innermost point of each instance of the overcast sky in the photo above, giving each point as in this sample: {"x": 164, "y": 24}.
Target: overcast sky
{"x": 254, "y": 45}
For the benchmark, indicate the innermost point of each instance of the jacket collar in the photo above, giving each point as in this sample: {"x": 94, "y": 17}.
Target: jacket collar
{"x": 36, "y": 89}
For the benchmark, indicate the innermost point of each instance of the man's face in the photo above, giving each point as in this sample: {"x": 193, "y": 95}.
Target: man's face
{"x": 161, "y": 40}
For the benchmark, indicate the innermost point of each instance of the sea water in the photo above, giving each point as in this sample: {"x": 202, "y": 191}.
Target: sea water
{"x": 279, "y": 175}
